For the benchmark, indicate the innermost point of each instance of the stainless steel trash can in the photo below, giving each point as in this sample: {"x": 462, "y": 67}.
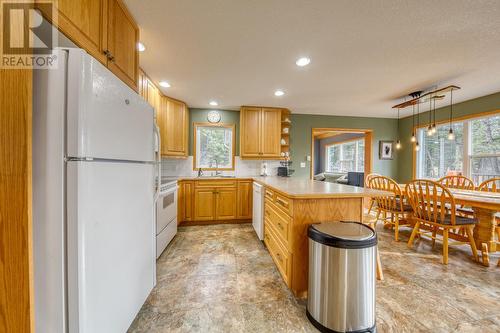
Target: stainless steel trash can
{"x": 341, "y": 289}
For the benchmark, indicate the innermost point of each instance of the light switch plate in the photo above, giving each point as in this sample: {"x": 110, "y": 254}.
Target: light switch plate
{"x": 302, "y": 164}
{"x": 308, "y": 158}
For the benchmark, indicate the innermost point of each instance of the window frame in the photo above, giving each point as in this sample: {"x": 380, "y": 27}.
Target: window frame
{"x": 467, "y": 144}
{"x": 356, "y": 151}
{"x": 233, "y": 143}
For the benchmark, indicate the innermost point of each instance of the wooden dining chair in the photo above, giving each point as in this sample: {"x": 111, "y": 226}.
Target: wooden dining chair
{"x": 393, "y": 209}
{"x": 434, "y": 211}
{"x": 458, "y": 182}
{"x": 492, "y": 185}
{"x": 462, "y": 183}
{"x": 367, "y": 185}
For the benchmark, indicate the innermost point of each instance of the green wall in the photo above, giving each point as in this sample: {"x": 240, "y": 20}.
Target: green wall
{"x": 227, "y": 117}
{"x": 481, "y": 104}
{"x": 300, "y": 139}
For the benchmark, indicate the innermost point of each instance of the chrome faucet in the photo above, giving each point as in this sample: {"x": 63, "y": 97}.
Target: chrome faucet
{"x": 217, "y": 171}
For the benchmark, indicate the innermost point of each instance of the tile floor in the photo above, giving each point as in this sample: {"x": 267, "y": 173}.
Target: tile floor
{"x": 220, "y": 278}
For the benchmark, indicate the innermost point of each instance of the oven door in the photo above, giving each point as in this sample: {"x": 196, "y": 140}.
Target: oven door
{"x": 166, "y": 208}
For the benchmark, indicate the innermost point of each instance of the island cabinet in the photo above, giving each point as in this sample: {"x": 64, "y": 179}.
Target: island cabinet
{"x": 260, "y": 133}
{"x": 105, "y": 29}
{"x": 286, "y": 220}
{"x": 215, "y": 200}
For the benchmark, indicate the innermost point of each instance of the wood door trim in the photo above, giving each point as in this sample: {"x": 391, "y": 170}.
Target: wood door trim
{"x": 16, "y": 266}
{"x": 368, "y": 145}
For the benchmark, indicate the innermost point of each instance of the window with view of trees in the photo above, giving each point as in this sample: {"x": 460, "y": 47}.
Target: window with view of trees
{"x": 475, "y": 151}
{"x": 345, "y": 157}
{"x": 214, "y": 147}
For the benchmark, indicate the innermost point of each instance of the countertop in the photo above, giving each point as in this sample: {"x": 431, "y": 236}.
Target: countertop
{"x": 301, "y": 188}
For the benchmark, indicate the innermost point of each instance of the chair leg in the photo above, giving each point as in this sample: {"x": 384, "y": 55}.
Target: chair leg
{"x": 370, "y": 207}
{"x": 380, "y": 274}
{"x": 434, "y": 231}
{"x": 468, "y": 230}
{"x": 485, "y": 255}
{"x": 445, "y": 246}
{"x": 396, "y": 227}
{"x": 413, "y": 233}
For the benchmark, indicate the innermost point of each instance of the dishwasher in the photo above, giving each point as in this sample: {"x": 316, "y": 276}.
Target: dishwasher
{"x": 258, "y": 210}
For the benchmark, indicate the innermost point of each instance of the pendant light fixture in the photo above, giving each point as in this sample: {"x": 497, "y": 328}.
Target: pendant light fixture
{"x": 413, "y": 138}
{"x": 398, "y": 142}
{"x": 417, "y": 146}
{"x": 434, "y": 129}
{"x": 429, "y": 128}
{"x": 451, "y": 135}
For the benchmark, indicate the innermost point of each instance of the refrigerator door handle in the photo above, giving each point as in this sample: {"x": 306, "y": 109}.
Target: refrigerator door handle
{"x": 158, "y": 162}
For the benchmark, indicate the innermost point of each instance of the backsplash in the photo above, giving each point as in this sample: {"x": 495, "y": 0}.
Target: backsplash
{"x": 243, "y": 168}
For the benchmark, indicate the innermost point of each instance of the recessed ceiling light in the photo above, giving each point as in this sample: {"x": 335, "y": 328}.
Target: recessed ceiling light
{"x": 279, "y": 93}
{"x": 141, "y": 47}
{"x": 304, "y": 61}
{"x": 213, "y": 103}
{"x": 164, "y": 84}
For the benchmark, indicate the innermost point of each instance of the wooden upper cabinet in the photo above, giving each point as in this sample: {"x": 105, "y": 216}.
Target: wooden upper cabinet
{"x": 173, "y": 121}
{"x": 250, "y": 132}
{"x": 123, "y": 36}
{"x": 271, "y": 132}
{"x": 260, "y": 133}
{"x": 85, "y": 23}
{"x": 106, "y": 30}
{"x": 142, "y": 84}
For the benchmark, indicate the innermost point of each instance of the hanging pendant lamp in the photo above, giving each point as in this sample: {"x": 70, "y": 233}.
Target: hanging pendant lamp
{"x": 451, "y": 135}
{"x": 429, "y": 128}
{"x": 413, "y": 138}
{"x": 398, "y": 142}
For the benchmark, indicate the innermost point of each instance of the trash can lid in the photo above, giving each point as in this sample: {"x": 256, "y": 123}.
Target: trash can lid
{"x": 347, "y": 235}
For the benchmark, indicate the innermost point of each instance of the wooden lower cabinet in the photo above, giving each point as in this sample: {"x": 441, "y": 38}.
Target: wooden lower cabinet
{"x": 225, "y": 204}
{"x": 245, "y": 197}
{"x": 285, "y": 230}
{"x": 185, "y": 201}
{"x": 215, "y": 200}
{"x": 204, "y": 204}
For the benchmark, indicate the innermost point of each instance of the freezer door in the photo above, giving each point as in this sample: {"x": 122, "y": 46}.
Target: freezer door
{"x": 106, "y": 118}
{"x": 111, "y": 244}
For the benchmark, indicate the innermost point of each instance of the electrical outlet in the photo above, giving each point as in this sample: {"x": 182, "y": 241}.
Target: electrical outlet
{"x": 302, "y": 164}
{"x": 308, "y": 158}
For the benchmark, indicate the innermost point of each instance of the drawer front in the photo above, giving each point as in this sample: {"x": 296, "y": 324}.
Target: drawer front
{"x": 269, "y": 194}
{"x": 280, "y": 201}
{"x": 280, "y": 255}
{"x": 215, "y": 183}
{"x": 283, "y": 203}
{"x": 280, "y": 222}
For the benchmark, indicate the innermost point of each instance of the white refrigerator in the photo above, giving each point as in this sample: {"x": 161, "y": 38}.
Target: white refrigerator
{"x": 93, "y": 198}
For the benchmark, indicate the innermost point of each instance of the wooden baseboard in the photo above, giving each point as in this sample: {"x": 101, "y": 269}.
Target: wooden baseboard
{"x": 192, "y": 223}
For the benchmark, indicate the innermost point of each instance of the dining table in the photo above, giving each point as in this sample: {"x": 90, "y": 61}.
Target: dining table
{"x": 485, "y": 206}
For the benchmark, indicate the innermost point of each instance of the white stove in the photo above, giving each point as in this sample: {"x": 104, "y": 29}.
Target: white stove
{"x": 166, "y": 214}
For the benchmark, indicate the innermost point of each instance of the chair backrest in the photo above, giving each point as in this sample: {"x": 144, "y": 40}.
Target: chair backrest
{"x": 459, "y": 182}
{"x": 391, "y": 203}
{"x": 490, "y": 185}
{"x": 431, "y": 201}
{"x": 368, "y": 177}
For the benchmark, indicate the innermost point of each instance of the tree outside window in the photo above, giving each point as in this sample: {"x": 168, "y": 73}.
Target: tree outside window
{"x": 214, "y": 146}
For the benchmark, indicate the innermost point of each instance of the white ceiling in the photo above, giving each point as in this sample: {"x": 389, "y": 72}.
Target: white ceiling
{"x": 365, "y": 55}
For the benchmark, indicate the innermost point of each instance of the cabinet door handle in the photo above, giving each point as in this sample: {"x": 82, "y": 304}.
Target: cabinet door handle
{"x": 281, "y": 202}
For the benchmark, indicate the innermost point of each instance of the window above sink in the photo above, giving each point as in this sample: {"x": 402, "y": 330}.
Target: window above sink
{"x": 214, "y": 146}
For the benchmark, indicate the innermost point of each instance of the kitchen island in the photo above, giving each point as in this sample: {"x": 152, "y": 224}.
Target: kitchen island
{"x": 291, "y": 204}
